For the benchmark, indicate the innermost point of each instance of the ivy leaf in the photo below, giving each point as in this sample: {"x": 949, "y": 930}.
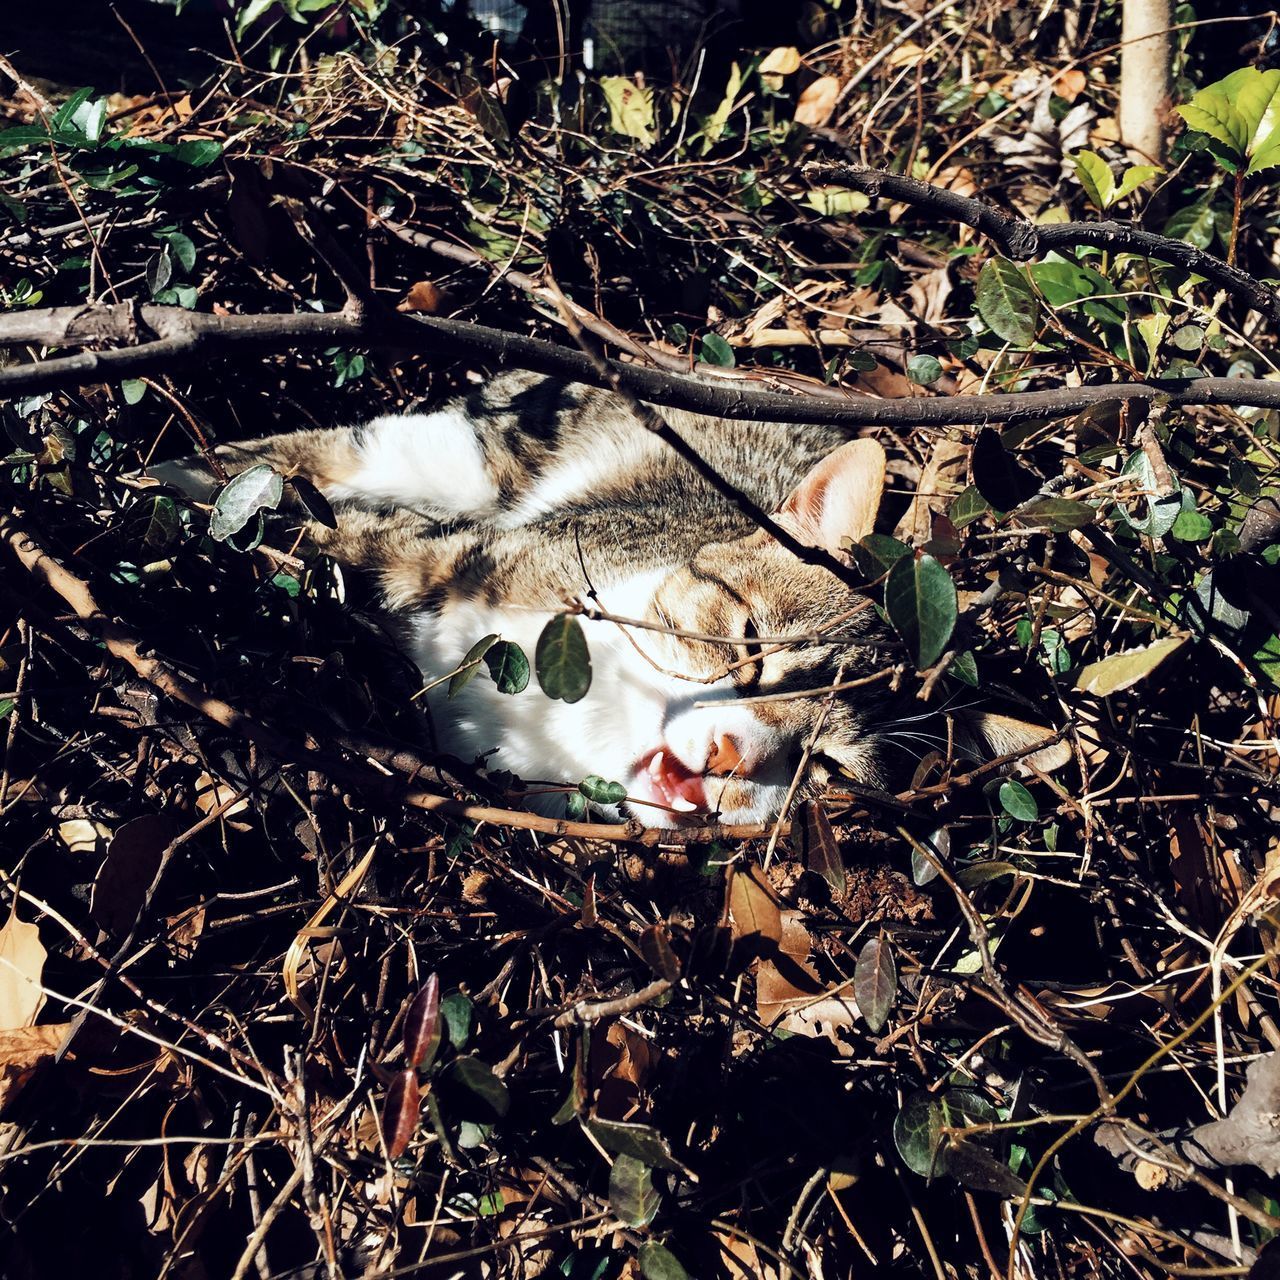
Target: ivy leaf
{"x": 599, "y": 791}
{"x": 877, "y": 553}
{"x": 639, "y": 1142}
{"x": 469, "y": 667}
{"x": 1059, "y": 515}
{"x": 481, "y": 1094}
{"x": 715, "y": 350}
{"x": 400, "y": 1112}
{"x": 1096, "y": 178}
{"x": 875, "y": 980}
{"x": 1006, "y": 302}
{"x": 1191, "y": 526}
{"x": 422, "y": 1025}
{"x": 657, "y": 1262}
{"x": 920, "y": 599}
{"x": 998, "y": 476}
{"x": 833, "y": 200}
{"x": 562, "y": 660}
{"x": 924, "y": 370}
{"x": 508, "y": 666}
{"x": 968, "y": 506}
{"x": 632, "y": 1195}
{"x": 255, "y": 489}
{"x": 1017, "y": 801}
{"x": 133, "y": 389}
{"x": 313, "y": 501}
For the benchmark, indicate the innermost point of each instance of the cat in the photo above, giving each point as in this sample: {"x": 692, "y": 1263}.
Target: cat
{"x": 504, "y": 508}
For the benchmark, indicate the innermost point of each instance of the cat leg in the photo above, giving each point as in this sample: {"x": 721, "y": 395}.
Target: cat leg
{"x": 433, "y": 463}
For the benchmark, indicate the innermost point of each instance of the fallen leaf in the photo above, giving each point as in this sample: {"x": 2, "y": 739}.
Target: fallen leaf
{"x": 817, "y": 102}
{"x": 133, "y": 858}
{"x": 22, "y": 1050}
{"x": 752, "y": 906}
{"x": 1123, "y": 670}
{"x": 22, "y": 957}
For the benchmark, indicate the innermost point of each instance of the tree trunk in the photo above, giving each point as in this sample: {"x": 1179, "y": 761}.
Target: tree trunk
{"x": 1146, "y": 78}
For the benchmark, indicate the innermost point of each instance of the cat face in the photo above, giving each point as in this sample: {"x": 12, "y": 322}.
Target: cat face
{"x": 710, "y": 709}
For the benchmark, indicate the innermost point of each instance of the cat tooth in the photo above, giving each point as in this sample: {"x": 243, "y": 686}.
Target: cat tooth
{"x": 681, "y": 805}
{"x": 655, "y": 765}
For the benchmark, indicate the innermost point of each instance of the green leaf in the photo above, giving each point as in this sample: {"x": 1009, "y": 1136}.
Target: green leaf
{"x": 968, "y": 506}
{"x": 1241, "y": 111}
{"x": 924, "y": 370}
{"x": 875, "y": 982}
{"x": 133, "y": 389}
{"x": 1059, "y": 515}
{"x": 877, "y": 553}
{"x": 1096, "y": 178}
{"x": 632, "y": 1195}
{"x": 254, "y": 490}
{"x": 159, "y": 271}
{"x": 715, "y": 350}
{"x": 1149, "y": 513}
{"x": 920, "y": 599}
{"x": 181, "y": 247}
{"x": 469, "y": 667}
{"x": 1133, "y": 178}
{"x": 163, "y": 525}
{"x": 1122, "y": 670}
{"x": 313, "y": 501}
{"x": 998, "y": 475}
{"x": 833, "y": 200}
{"x": 658, "y": 1263}
{"x": 199, "y": 153}
{"x": 508, "y": 666}
{"x": 476, "y": 1079}
{"x": 1006, "y": 302}
{"x": 1191, "y": 526}
{"x": 599, "y": 791}
{"x": 562, "y": 660}
{"x": 1017, "y": 801}
{"x": 638, "y": 1141}
{"x": 1195, "y": 223}
{"x": 455, "y": 1010}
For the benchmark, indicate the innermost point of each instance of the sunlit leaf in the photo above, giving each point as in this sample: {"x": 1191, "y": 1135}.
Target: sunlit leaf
{"x": 400, "y": 1113}
{"x": 1123, "y": 670}
{"x": 422, "y": 1024}
{"x": 630, "y": 108}
{"x": 1006, "y": 302}
{"x": 875, "y": 981}
{"x": 256, "y": 489}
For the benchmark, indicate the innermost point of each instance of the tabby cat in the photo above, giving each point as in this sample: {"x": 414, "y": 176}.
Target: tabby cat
{"x": 496, "y": 512}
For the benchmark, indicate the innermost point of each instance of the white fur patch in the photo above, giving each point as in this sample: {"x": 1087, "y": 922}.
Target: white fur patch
{"x": 631, "y": 709}
{"x": 429, "y": 462}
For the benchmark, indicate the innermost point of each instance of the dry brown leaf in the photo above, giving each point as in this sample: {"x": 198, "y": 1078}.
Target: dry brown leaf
{"x": 942, "y": 479}
{"x": 22, "y": 1050}
{"x": 906, "y": 55}
{"x": 817, "y": 102}
{"x": 22, "y": 957}
{"x": 133, "y": 858}
{"x": 82, "y": 836}
{"x": 1071, "y": 84}
{"x": 752, "y": 906}
{"x": 423, "y": 296}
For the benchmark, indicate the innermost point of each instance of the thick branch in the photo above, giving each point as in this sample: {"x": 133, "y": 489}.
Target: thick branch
{"x": 160, "y": 337}
{"x": 1022, "y": 240}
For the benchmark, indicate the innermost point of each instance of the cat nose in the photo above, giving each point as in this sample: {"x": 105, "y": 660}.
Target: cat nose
{"x": 724, "y": 757}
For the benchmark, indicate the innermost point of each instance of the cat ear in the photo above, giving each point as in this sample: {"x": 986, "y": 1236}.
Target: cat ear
{"x": 840, "y": 497}
{"x": 1005, "y": 735}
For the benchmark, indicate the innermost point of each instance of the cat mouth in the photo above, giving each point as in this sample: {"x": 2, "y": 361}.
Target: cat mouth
{"x": 663, "y": 775}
